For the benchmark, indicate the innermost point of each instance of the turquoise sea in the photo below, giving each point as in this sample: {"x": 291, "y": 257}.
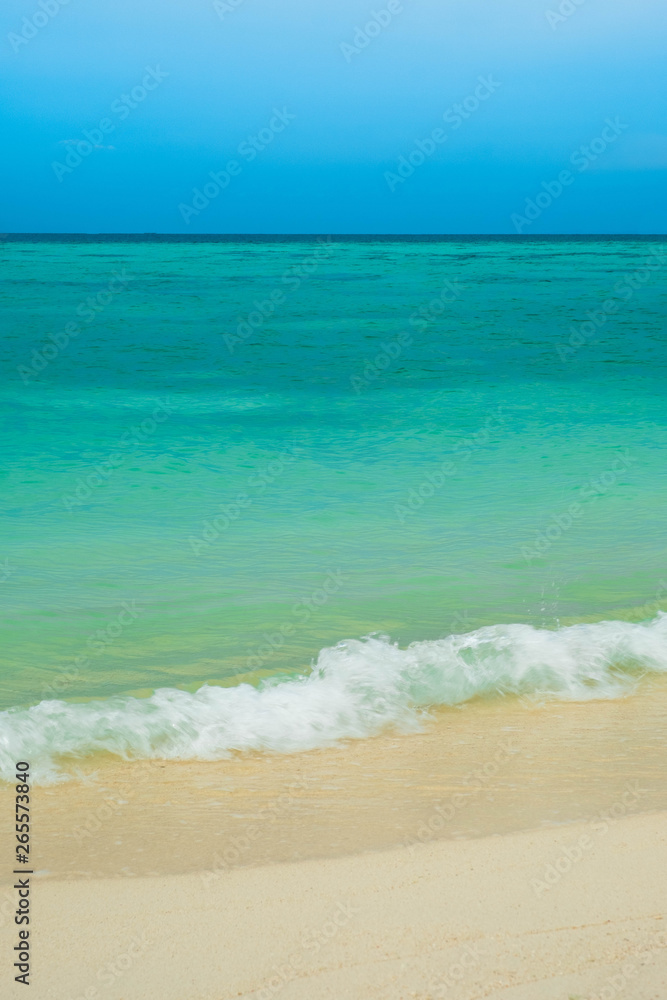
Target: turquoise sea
{"x": 271, "y": 492}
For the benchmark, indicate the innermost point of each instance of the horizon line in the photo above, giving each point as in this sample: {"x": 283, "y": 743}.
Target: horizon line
{"x": 514, "y": 237}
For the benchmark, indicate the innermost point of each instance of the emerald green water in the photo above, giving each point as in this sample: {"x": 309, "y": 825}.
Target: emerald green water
{"x": 415, "y": 477}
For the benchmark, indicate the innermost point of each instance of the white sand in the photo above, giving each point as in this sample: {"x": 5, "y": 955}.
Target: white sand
{"x": 461, "y": 919}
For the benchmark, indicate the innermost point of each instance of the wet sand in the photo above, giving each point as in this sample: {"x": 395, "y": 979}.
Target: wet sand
{"x": 489, "y": 767}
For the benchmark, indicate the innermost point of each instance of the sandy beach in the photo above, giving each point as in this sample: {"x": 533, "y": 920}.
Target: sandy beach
{"x": 549, "y": 915}
{"x": 333, "y": 645}
{"x": 508, "y": 850}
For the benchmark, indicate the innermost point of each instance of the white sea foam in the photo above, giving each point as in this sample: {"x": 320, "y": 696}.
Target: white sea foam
{"x": 355, "y": 689}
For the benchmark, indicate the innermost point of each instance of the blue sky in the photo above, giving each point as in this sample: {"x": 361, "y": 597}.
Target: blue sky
{"x": 314, "y": 105}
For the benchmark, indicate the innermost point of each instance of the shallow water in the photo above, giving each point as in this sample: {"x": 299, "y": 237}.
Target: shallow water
{"x": 249, "y": 451}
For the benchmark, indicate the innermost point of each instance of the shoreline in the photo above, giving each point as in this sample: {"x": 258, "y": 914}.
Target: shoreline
{"x": 509, "y": 851}
{"x": 491, "y": 767}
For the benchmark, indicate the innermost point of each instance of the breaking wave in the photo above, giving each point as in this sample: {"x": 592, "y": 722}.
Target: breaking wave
{"x": 355, "y": 689}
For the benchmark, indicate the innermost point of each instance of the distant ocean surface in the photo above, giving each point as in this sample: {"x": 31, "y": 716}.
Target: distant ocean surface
{"x": 228, "y": 460}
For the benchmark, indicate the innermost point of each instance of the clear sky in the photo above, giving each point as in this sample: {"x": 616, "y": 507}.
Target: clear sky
{"x": 305, "y": 110}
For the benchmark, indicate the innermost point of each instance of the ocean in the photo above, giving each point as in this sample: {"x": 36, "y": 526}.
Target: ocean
{"x": 269, "y": 493}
